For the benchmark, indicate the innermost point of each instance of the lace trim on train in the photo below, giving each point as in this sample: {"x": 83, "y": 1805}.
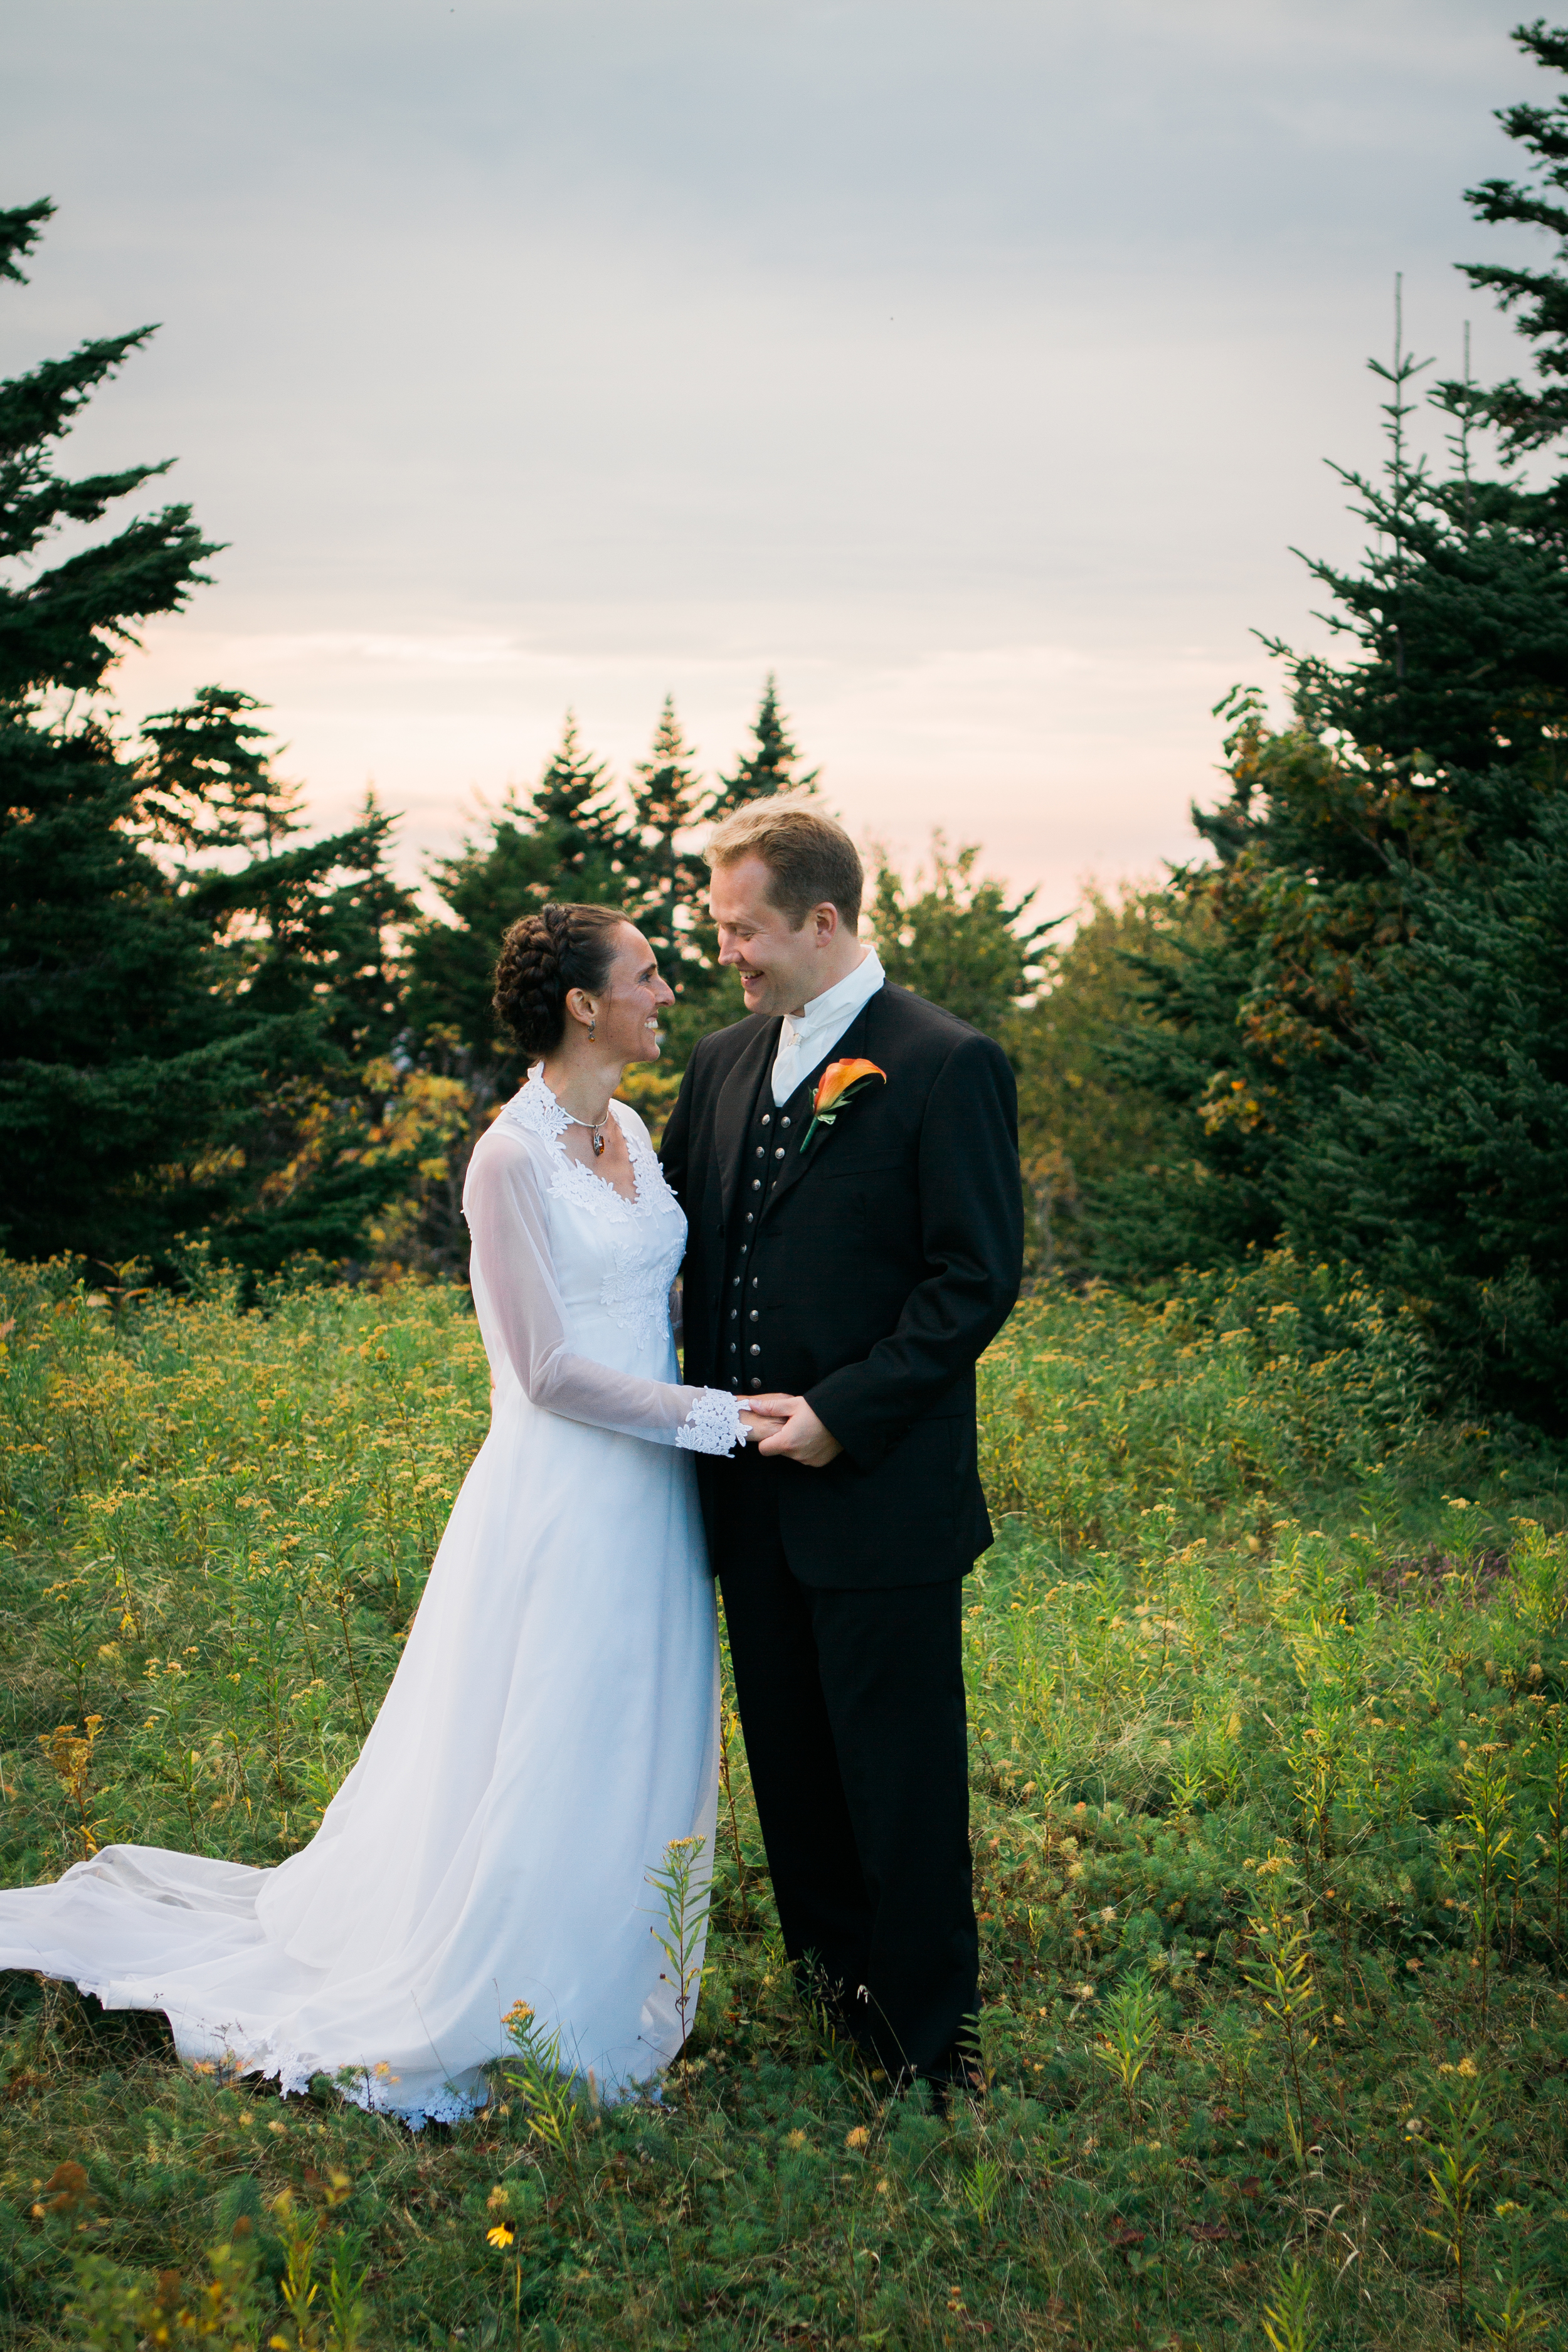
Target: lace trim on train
{"x": 713, "y": 1424}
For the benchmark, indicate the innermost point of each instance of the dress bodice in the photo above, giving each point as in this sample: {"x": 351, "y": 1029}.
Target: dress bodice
{"x": 614, "y": 1259}
{"x": 571, "y": 1282}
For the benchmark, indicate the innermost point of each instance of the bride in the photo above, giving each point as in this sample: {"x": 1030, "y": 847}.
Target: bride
{"x": 552, "y": 1724}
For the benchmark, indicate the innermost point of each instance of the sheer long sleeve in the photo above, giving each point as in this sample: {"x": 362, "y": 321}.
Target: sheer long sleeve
{"x": 524, "y": 1319}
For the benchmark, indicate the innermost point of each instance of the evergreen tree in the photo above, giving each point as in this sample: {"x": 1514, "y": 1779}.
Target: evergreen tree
{"x": 206, "y": 777}
{"x": 574, "y": 804}
{"x": 510, "y": 868}
{"x": 1531, "y": 416}
{"x": 1358, "y": 1034}
{"x": 957, "y": 941}
{"x": 63, "y": 624}
{"x": 564, "y": 840}
{"x": 768, "y": 766}
{"x": 576, "y": 836}
{"x": 121, "y": 1054}
{"x": 1447, "y": 1169}
{"x": 1458, "y": 613}
{"x": 664, "y": 889}
{"x": 667, "y": 882}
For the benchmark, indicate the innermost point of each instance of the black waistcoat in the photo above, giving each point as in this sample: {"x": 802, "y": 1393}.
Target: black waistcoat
{"x": 771, "y": 1132}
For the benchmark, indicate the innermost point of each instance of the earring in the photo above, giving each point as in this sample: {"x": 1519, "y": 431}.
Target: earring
{"x": 593, "y": 1025}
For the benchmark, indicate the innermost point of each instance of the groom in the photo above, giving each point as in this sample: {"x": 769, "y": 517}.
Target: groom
{"x": 845, "y": 1278}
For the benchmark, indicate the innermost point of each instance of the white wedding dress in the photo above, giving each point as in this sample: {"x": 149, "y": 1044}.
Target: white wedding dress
{"x": 551, "y": 1727}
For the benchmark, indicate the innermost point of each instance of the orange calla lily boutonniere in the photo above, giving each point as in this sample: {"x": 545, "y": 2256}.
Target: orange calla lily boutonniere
{"x": 839, "y": 1084}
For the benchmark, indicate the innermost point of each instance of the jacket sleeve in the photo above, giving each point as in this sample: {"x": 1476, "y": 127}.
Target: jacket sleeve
{"x": 971, "y": 1230}
{"x": 521, "y": 1315}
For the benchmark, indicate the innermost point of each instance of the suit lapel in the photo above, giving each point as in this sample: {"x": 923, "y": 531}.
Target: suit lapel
{"x": 733, "y": 1111}
{"x": 796, "y": 1161}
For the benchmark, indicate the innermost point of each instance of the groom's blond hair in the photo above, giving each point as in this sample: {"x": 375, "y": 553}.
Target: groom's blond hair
{"x": 810, "y": 859}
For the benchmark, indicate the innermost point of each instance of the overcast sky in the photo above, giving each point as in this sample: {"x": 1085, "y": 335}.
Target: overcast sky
{"x": 972, "y": 363}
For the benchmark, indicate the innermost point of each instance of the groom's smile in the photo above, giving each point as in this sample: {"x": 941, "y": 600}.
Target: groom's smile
{"x": 783, "y": 957}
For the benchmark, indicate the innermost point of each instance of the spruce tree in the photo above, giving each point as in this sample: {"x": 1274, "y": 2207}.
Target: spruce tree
{"x": 566, "y": 839}
{"x": 65, "y": 624}
{"x": 188, "y": 993}
{"x": 206, "y": 776}
{"x": 121, "y": 1052}
{"x": 574, "y": 804}
{"x": 767, "y": 766}
{"x": 959, "y": 941}
{"x": 1531, "y": 416}
{"x": 668, "y": 881}
{"x": 510, "y": 869}
{"x": 1357, "y": 1040}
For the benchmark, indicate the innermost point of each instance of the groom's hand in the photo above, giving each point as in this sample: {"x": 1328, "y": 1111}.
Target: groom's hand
{"x": 803, "y": 1438}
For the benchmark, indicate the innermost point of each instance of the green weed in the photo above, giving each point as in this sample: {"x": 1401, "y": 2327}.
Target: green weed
{"x": 1267, "y": 1674}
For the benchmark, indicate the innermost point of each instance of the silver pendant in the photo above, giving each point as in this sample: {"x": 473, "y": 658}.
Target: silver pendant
{"x": 598, "y": 1144}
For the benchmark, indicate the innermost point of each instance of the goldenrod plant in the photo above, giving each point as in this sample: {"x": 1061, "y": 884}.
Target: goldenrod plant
{"x": 1239, "y": 1882}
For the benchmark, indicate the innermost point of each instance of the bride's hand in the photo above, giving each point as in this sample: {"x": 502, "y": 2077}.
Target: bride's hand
{"x": 765, "y": 1416}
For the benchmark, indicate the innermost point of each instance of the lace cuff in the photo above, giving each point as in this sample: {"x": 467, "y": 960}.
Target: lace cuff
{"x": 713, "y": 1424}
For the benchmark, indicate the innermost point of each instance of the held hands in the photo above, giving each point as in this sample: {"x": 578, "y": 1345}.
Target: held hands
{"x": 786, "y": 1425}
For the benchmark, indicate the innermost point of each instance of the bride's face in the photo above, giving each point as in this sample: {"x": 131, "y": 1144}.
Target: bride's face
{"x": 629, "y": 1003}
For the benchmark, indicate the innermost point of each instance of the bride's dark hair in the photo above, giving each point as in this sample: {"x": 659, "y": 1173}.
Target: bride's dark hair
{"x": 543, "y": 957}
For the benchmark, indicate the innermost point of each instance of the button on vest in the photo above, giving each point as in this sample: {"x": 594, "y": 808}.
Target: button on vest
{"x": 741, "y": 1353}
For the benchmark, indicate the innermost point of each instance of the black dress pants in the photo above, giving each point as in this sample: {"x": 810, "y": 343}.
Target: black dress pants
{"x": 853, "y": 1709}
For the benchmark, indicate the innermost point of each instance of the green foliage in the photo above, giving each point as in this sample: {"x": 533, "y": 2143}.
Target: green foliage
{"x": 1531, "y": 416}
{"x": 665, "y": 883}
{"x": 63, "y": 624}
{"x": 1358, "y": 1040}
{"x": 576, "y": 836}
{"x": 1260, "y": 1644}
{"x": 1080, "y": 1122}
{"x": 183, "y": 991}
{"x": 115, "y": 1055}
{"x": 769, "y": 765}
{"x": 956, "y": 941}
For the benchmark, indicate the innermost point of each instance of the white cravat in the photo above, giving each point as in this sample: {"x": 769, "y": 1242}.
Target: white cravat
{"x": 806, "y": 1037}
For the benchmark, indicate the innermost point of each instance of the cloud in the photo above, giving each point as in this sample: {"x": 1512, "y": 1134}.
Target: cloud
{"x": 971, "y": 362}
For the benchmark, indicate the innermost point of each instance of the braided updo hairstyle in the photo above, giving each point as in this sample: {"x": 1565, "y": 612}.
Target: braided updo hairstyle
{"x": 543, "y": 958}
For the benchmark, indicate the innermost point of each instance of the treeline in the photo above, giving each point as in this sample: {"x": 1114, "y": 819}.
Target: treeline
{"x": 1360, "y": 1038}
{"x": 215, "y": 1028}
{"x": 1342, "y": 1027}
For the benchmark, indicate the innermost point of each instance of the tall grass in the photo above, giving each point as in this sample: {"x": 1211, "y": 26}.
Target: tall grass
{"x": 1269, "y": 1771}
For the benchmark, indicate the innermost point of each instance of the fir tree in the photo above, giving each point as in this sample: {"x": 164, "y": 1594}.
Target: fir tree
{"x": 768, "y": 766}
{"x": 958, "y": 940}
{"x": 121, "y": 1052}
{"x": 668, "y": 881}
{"x": 206, "y": 777}
{"x": 1531, "y": 416}
{"x": 574, "y": 804}
{"x": 1357, "y": 1036}
{"x": 564, "y": 840}
{"x": 507, "y": 871}
{"x": 63, "y": 624}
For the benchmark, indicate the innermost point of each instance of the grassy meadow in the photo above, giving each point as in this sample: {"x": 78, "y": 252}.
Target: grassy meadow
{"x": 1267, "y": 1677}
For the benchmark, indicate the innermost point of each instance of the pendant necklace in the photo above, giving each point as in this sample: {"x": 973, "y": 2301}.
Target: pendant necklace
{"x": 595, "y": 1128}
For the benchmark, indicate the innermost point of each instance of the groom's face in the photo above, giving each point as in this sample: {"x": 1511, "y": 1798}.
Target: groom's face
{"x": 780, "y": 967}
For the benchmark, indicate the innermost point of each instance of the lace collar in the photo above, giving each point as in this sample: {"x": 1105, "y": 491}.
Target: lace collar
{"x": 534, "y": 1108}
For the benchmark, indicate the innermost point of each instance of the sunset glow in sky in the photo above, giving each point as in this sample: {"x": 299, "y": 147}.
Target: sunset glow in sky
{"x": 972, "y": 363}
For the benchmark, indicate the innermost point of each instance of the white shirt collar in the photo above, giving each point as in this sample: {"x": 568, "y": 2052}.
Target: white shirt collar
{"x": 843, "y": 999}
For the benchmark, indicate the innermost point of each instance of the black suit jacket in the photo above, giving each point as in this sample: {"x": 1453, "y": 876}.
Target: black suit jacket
{"x": 890, "y": 1256}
